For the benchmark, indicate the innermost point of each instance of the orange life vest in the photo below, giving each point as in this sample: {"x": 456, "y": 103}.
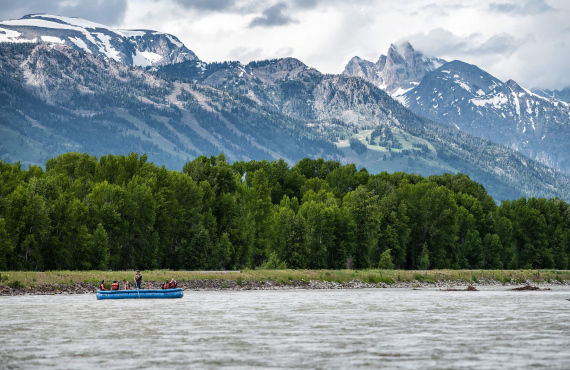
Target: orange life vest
{"x": 164, "y": 286}
{"x": 115, "y": 286}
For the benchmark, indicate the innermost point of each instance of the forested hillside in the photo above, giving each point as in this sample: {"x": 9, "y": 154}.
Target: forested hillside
{"x": 119, "y": 212}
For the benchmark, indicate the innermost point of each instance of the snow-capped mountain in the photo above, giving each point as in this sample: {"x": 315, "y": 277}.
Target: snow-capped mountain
{"x": 471, "y": 99}
{"x": 58, "y": 98}
{"x": 365, "y": 123}
{"x": 401, "y": 69}
{"x": 132, "y": 47}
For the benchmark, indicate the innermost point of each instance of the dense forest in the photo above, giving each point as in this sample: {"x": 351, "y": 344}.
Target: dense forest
{"x": 122, "y": 212}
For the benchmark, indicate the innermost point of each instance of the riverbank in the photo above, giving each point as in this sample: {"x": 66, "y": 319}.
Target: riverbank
{"x": 83, "y": 282}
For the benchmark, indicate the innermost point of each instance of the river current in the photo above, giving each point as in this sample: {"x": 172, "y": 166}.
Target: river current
{"x": 369, "y": 328}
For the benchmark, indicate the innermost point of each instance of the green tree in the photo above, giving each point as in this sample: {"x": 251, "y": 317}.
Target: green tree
{"x": 364, "y": 209}
{"x": 386, "y": 260}
{"x": 424, "y": 262}
{"x": 260, "y": 203}
{"x": 5, "y": 246}
{"x": 27, "y": 222}
{"x": 100, "y": 248}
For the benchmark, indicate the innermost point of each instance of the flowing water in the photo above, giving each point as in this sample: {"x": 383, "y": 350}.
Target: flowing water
{"x": 369, "y": 328}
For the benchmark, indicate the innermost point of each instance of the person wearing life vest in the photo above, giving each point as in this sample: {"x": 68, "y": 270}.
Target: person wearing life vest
{"x": 165, "y": 285}
{"x": 172, "y": 284}
{"x": 138, "y": 279}
{"x": 102, "y": 285}
{"x": 115, "y": 285}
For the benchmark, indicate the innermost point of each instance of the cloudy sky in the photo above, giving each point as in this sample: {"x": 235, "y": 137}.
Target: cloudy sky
{"x": 526, "y": 40}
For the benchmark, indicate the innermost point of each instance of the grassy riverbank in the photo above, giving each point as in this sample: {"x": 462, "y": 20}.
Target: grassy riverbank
{"x": 32, "y": 279}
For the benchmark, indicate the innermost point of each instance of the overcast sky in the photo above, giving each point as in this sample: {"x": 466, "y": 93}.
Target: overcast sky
{"x": 525, "y": 40}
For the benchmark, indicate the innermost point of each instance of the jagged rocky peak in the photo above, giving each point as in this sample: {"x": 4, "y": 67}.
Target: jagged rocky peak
{"x": 515, "y": 87}
{"x": 132, "y": 47}
{"x": 359, "y": 67}
{"x": 398, "y": 71}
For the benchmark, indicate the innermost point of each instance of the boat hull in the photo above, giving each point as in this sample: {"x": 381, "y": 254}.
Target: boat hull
{"x": 140, "y": 294}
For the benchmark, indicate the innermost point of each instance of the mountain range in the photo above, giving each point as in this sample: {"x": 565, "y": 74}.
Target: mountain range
{"x": 536, "y": 124}
{"x": 132, "y": 47}
{"x": 57, "y": 97}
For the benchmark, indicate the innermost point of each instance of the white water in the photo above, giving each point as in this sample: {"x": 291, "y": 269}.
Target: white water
{"x": 371, "y": 328}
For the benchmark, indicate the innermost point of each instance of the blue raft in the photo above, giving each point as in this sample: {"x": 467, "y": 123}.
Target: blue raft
{"x": 140, "y": 293}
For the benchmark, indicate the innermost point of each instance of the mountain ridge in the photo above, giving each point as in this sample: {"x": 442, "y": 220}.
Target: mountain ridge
{"x": 133, "y": 47}
{"x": 463, "y": 95}
{"x": 56, "y": 98}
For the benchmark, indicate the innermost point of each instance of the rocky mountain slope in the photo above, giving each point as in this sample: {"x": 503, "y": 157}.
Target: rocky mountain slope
{"x": 56, "y": 98}
{"x": 535, "y": 123}
{"x": 367, "y": 125}
{"x": 132, "y": 47}
{"x": 563, "y": 94}
{"x": 463, "y": 95}
{"x": 401, "y": 69}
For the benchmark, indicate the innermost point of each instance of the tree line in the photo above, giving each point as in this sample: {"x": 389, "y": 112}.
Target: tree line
{"x": 123, "y": 212}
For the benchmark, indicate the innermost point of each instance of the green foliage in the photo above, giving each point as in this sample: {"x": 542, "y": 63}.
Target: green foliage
{"x": 274, "y": 263}
{"x": 424, "y": 258}
{"x": 15, "y": 284}
{"x": 423, "y": 278}
{"x": 121, "y": 212}
{"x": 386, "y": 260}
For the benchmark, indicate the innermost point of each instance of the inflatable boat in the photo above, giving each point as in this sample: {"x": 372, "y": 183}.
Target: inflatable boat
{"x": 140, "y": 293}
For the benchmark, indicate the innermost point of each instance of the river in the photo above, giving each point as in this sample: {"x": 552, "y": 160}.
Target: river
{"x": 369, "y": 328}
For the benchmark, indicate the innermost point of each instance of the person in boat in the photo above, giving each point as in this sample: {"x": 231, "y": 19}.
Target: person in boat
{"x": 102, "y": 285}
{"x": 115, "y": 285}
{"x": 127, "y": 285}
{"x": 172, "y": 284}
{"x": 138, "y": 279}
{"x": 165, "y": 285}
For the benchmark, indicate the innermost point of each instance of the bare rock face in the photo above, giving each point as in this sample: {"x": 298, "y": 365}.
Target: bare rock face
{"x": 401, "y": 69}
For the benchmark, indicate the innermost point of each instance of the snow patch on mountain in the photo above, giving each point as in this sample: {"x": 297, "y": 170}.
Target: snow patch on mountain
{"x": 465, "y": 96}
{"x": 133, "y": 47}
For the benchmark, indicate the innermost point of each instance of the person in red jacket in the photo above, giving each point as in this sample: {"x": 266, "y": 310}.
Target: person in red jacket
{"x": 172, "y": 284}
{"x": 102, "y": 285}
{"x": 165, "y": 285}
{"x": 115, "y": 285}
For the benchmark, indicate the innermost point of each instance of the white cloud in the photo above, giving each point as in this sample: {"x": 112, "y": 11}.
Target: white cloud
{"x": 494, "y": 34}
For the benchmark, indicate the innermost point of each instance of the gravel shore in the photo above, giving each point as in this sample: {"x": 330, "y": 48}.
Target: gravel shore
{"x": 222, "y": 284}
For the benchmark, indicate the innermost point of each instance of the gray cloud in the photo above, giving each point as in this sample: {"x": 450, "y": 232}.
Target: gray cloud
{"x": 273, "y": 16}
{"x": 306, "y": 3}
{"x": 521, "y": 7}
{"x": 108, "y": 12}
{"x": 209, "y": 5}
{"x": 441, "y": 42}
